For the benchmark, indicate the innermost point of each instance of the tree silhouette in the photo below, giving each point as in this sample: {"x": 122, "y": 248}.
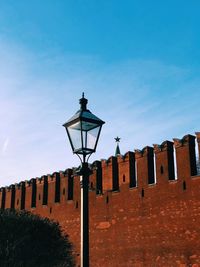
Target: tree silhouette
{"x": 27, "y": 240}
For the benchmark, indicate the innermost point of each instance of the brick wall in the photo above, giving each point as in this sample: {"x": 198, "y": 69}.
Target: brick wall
{"x": 140, "y": 215}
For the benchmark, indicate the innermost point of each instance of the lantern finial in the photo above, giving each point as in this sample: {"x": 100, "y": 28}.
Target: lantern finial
{"x": 83, "y": 102}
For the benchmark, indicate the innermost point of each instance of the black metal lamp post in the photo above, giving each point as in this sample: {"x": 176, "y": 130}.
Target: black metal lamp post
{"x": 83, "y": 130}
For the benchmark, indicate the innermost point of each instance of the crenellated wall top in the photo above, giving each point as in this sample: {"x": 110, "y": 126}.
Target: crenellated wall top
{"x": 184, "y": 141}
{"x": 166, "y": 145}
{"x": 144, "y": 152}
{"x": 157, "y": 148}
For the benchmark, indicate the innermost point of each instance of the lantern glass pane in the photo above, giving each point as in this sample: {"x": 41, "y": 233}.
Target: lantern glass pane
{"x": 92, "y": 137}
{"x": 87, "y": 126}
{"x": 75, "y": 135}
{"x": 84, "y": 134}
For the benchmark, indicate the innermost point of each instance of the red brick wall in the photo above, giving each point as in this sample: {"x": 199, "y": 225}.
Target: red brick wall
{"x": 144, "y": 225}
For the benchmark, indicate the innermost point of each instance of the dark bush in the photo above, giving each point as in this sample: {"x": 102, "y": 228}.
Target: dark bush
{"x": 27, "y": 240}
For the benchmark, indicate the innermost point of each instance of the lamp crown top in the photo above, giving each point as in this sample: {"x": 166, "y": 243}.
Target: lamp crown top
{"x": 83, "y": 102}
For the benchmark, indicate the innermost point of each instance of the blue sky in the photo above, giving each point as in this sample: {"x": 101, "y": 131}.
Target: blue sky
{"x": 138, "y": 63}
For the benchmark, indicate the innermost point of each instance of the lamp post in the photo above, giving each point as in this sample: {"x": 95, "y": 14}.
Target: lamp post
{"x": 83, "y": 130}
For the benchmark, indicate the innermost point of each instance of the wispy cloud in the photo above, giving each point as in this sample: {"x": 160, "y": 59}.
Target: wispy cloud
{"x": 5, "y": 145}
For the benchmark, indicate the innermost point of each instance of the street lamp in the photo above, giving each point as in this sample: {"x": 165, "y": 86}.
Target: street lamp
{"x": 83, "y": 130}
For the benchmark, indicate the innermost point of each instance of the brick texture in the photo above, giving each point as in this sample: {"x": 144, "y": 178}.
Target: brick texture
{"x": 140, "y": 214}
